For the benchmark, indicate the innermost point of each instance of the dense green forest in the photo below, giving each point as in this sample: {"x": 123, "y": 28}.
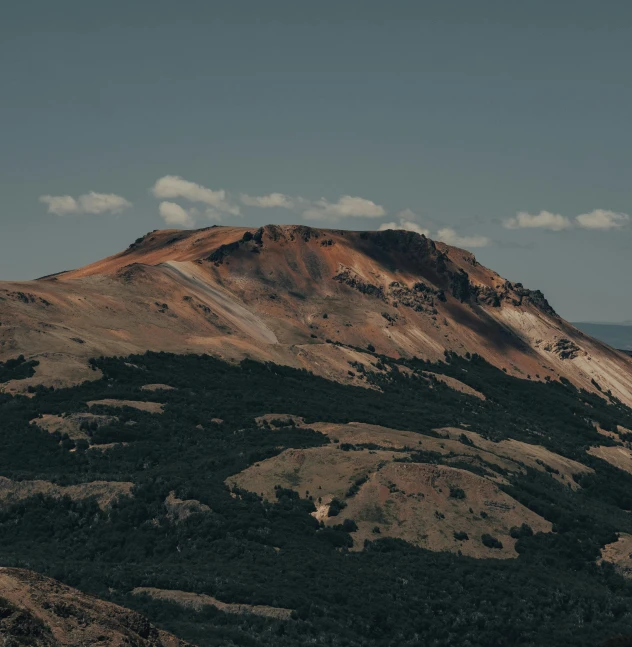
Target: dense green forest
{"x": 251, "y": 551}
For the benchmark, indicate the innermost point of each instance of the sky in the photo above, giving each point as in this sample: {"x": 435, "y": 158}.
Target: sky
{"x": 501, "y": 127}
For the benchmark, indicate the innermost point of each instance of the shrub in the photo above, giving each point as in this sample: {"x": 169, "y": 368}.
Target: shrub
{"x": 517, "y": 532}
{"x": 457, "y": 493}
{"x": 491, "y": 542}
{"x": 335, "y": 507}
{"x": 349, "y": 525}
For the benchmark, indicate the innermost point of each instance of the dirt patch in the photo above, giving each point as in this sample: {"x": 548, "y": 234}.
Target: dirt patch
{"x": 431, "y": 506}
{"x": 619, "y": 553}
{"x": 620, "y": 457}
{"x": 157, "y": 387}
{"x": 104, "y": 492}
{"x": 320, "y": 471}
{"x": 608, "y": 434}
{"x": 537, "y": 457}
{"x": 76, "y": 425}
{"x": 105, "y": 446}
{"x": 455, "y": 384}
{"x": 198, "y": 601}
{"x": 458, "y": 445}
{"x": 150, "y": 407}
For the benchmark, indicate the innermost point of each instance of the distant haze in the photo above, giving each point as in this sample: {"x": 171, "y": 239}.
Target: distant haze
{"x": 615, "y": 335}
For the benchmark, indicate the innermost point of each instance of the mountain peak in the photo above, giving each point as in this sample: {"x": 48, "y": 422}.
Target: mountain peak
{"x": 296, "y": 295}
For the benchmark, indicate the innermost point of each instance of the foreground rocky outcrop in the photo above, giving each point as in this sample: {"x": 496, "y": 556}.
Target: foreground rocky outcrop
{"x": 41, "y": 612}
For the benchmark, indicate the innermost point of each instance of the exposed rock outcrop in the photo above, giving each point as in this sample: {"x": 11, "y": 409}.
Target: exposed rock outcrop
{"x": 41, "y": 612}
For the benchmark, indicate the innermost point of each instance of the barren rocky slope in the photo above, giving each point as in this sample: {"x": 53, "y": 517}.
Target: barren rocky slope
{"x": 280, "y": 293}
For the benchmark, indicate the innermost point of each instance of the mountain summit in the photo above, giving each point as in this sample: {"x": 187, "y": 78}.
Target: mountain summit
{"x": 295, "y": 295}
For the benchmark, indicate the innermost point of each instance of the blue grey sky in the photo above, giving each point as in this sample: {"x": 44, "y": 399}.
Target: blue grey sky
{"x": 491, "y": 125}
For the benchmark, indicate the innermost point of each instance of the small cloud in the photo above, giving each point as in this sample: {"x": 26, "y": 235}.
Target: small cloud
{"x": 447, "y": 234}
{"x": 60, "y": 204}
{"x": 271, "y": 200}
{"x": 346, "y": 207}
{"x": 102, "y": 203}
{"x": 602, "y": 219}
{"x": 405, "y": 224}
{"x": 89, "y": 203}
{"x": 542, "y": 220}
{"x": 173, "y": 214}
{"x": 450, "y": 237}
{"x": 173, "y": 186}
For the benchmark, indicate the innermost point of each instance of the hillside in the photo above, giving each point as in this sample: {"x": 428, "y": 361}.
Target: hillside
{"x": 41, "y": 612}
{"x": 205, "y": 495}
{"x": 282, "y": 294}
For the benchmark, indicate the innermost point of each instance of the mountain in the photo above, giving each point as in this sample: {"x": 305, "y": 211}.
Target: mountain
{"x": 284, "y": 294}
{"x": 41, "y": 612}
{"x": 287, "y": 436}
{"x": 615, "y": 335}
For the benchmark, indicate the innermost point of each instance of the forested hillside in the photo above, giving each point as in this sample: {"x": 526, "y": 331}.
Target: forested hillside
{"x": 163, "y": 518}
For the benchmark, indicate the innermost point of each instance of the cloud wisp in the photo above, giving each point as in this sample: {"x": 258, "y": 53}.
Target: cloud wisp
{"x": 220, "y": 203}
{"x": 88, "y": 203}
{"x": 447, "y": 235}
{"x": 598, "y": 219}
{"x": 270, "y": 201}
{"x": 347, "y": 206}
{"x": 174, "y": 186}
{"x": 173, "y": 214}
{"x": 406, "y": 223}
{"x": 542, "y": 220}
{"x": 602, "y": 219}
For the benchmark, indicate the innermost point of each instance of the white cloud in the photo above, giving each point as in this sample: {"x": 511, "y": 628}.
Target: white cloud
{"x": 60, "y": 204}
{"x": 279, "y": 200}
{"x": 92, "y": 203}
{"x": 173, "y": 214}
{"x": 542, "y": 220}
{"x": 597, "y": 219}
{"x": 450, "y": 237}
{"x": 602, "y": 219}
{"x": 173, "y": 186}
{"x": 346, "y": 207}
{"x": 407, "y": 225}
{"x": 447, "y": 234}
{"x": 102, "y": 202}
